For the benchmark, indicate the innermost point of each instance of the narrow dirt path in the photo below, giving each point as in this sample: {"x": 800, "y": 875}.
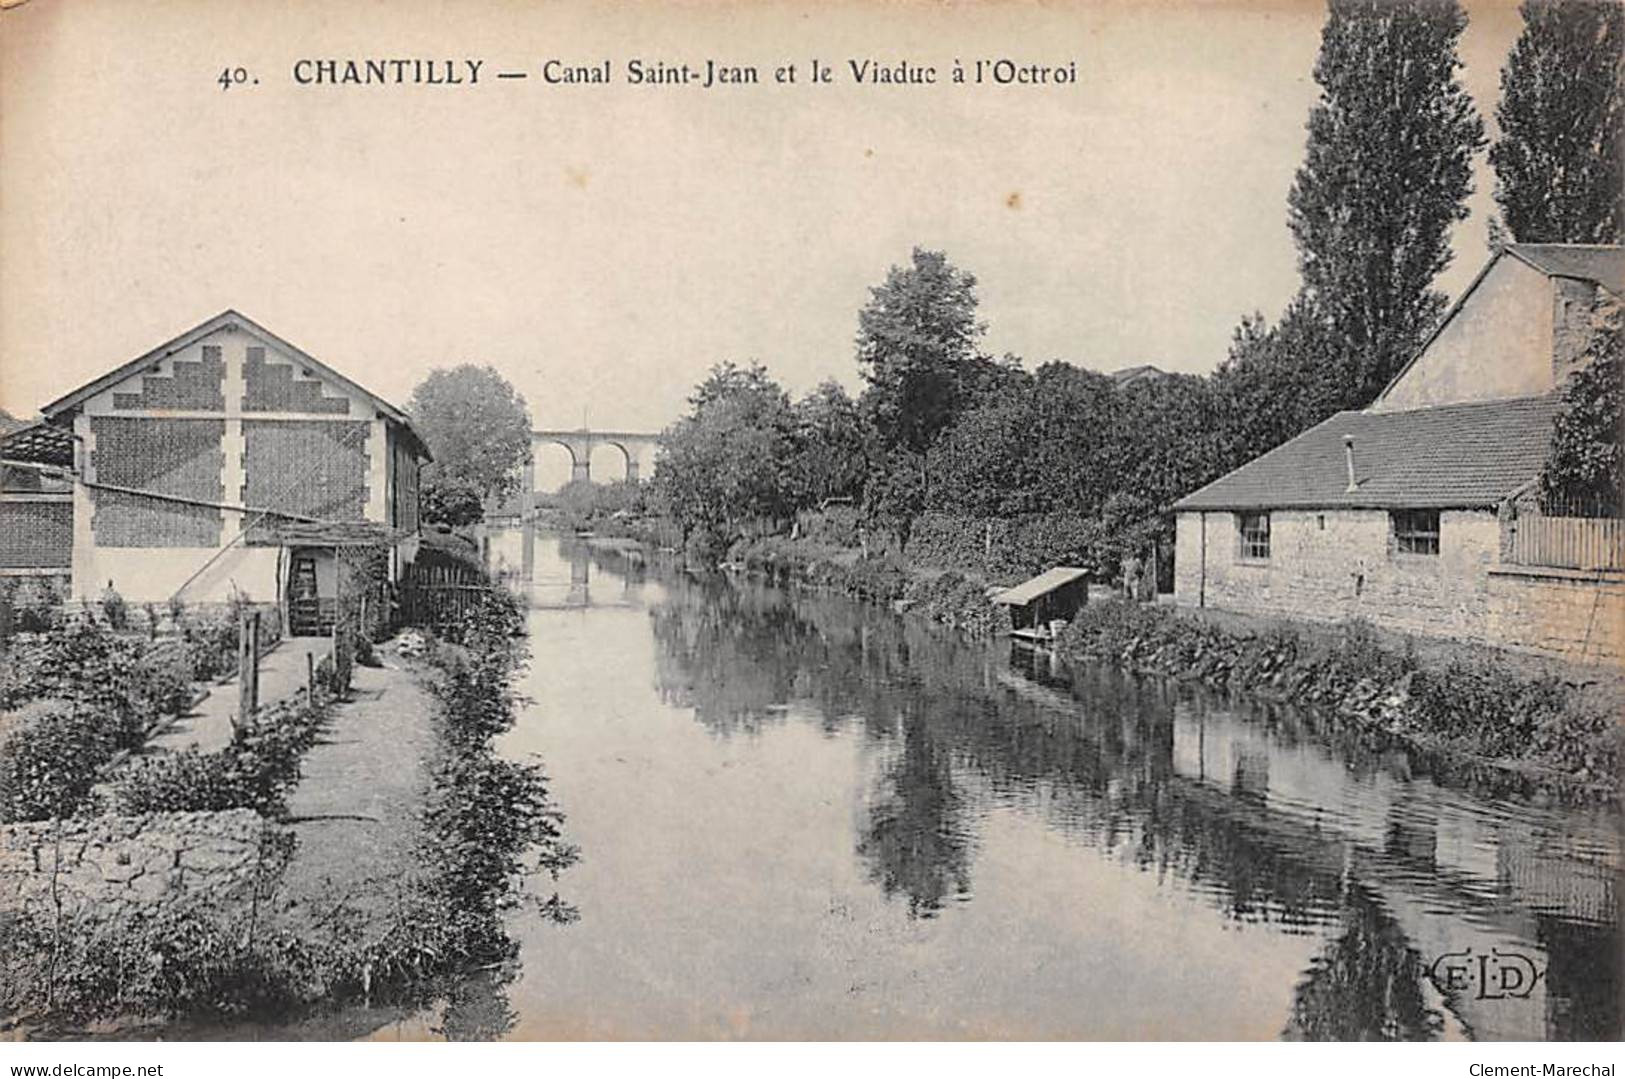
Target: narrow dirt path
{"x": 358, "y": 806}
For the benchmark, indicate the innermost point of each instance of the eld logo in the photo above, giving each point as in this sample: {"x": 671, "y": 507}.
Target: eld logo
{"x": 1495, "y": 975}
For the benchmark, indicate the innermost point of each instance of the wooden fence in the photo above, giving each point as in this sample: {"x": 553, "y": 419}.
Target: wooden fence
{"x": 434, "y": 595}
{"x": 1583, "y": 543}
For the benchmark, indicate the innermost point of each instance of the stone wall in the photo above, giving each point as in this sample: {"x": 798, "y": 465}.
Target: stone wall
{"x": 1333, "y": 565}
{"x": 1558, "y": 612}
{"x": 105, "y": 867}
{"x": 1575, "y": 309}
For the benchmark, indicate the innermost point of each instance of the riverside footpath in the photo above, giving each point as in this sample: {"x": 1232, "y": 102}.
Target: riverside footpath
{"x": 357, "y": 809}
{"x": 208, "y": 723}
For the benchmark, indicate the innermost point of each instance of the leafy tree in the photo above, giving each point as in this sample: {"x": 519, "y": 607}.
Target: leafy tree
{"x": 478, "y": 428}
{"x": 1276, "y": 382}
{"x": 1170, "y": 425}
{"x": 917, "y": 348}
{"x": 833, "y": 442}
{"x": 1386, "y": 173}
{"x": 451, "y": 501}
{"x": 1560, "y": 160}
{"x": 726, "y": 462}
{"x": 983, "y": 463}
{"x": 895, "y": 492}
{"x": 1586, "y": 468}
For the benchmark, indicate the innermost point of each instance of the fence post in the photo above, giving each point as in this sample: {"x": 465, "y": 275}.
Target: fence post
{"x": 248, "y": 666}
{"x": 310, "y": 679}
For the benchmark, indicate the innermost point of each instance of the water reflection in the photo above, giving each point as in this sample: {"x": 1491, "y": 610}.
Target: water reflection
{"x": 1278, "y": 817}
{"x": 1367, "y": 984}
{"x": 917, "y": 839}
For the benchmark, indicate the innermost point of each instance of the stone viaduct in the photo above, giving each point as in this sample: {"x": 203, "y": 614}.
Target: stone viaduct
{"x": 633, "y": 446}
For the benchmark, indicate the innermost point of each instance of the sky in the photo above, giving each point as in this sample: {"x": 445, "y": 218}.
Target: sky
{"x": 603, "y": 246}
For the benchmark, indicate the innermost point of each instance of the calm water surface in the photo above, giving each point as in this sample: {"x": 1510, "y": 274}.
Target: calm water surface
{"x": 801, "y": 817}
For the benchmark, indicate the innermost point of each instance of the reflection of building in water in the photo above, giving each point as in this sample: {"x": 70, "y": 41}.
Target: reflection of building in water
{"x": 1281, "y": 824}
{"x": 1449, "y": 877}
{"x": 580, "y": 594}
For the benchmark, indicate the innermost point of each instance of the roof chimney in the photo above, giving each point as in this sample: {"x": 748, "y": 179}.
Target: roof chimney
{"x": 1348, "y": 454}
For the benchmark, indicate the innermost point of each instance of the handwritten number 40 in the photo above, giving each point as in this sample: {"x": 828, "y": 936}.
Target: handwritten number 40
{"x": 235, "y": 76}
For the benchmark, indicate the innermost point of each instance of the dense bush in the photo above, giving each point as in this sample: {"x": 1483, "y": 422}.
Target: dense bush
{"x": 114, "y": 610}
{"x": 957, "y": 601}
{"x": 105, "y": 673}
{"x": 1469, "y": 706}
{"x": 1014, "y": 548}
{"x": 256, "y": 771}
{"x": 50, "y": 758}
{"x": 839, "y": 526}
{"x": 36, "y": 605}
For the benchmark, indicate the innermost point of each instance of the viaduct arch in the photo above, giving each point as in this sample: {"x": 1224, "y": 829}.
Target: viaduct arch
{"x": 580, "y": 442}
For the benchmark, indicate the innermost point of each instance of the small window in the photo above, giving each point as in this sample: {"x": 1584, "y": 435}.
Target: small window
{"x": 1255, "y": 535}
{"x": 1416, "y": 531}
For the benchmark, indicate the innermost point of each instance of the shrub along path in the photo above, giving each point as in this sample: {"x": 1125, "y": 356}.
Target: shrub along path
{"x": 357, "y": 807}
{"x": 207, "y": 724}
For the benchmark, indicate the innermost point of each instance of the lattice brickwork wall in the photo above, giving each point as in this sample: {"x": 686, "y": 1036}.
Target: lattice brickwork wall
{"x": 317, "y": 468}
{"x": 196, "y": 384}
{"x": 272, "y": 387}
{"x": 169, "y": 456}
{"x": 36, "y": 534}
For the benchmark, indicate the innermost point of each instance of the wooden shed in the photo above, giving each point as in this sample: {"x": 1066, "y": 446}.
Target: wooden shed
{"x": 1054, "y": 595}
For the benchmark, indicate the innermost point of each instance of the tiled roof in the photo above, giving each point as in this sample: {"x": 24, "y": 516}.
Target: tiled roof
{"x": 1453, "y": 456}
{"x": 38, "y": 443}
{"x": 1590, "y": 262}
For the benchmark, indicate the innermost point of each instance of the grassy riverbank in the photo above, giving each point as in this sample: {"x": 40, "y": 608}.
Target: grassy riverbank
{"x": 1550, "y": 723}
{"x": 945, "y": 596}
{"x": 1553, "y": 724}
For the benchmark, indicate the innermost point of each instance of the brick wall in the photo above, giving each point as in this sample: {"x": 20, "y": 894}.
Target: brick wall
{"x": 105, "y": 867}
{"x": 317, "y": 468}
{"x": 274, "y": 387}
{"x": 1338, "y": 564}
{"x": 194, "y": 384}
{"x": 36, "y": 533}
{"x": 172, "y": 456}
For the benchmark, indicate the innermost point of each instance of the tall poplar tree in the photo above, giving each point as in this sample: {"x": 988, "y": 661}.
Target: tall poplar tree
{"x": 1386, "y": 173}
{"x": 1560, "y": 160}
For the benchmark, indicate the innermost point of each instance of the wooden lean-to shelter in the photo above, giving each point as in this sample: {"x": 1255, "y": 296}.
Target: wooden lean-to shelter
{"x": 1056, "y": 595}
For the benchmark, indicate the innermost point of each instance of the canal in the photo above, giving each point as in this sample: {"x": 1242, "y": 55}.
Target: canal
{"x": 802, "y": 817}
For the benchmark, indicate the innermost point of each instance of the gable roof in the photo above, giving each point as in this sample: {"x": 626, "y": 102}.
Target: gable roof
{"x": 1138, "y": 373}
{"x": 1450, "y": 457}
{"x": 1602, "y": 263}
{"x": 203, "y": 329}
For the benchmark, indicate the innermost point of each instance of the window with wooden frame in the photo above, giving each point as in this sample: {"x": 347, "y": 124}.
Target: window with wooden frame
{"x": 1255, "y": 536}
{"x": 1416, "y": 531}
